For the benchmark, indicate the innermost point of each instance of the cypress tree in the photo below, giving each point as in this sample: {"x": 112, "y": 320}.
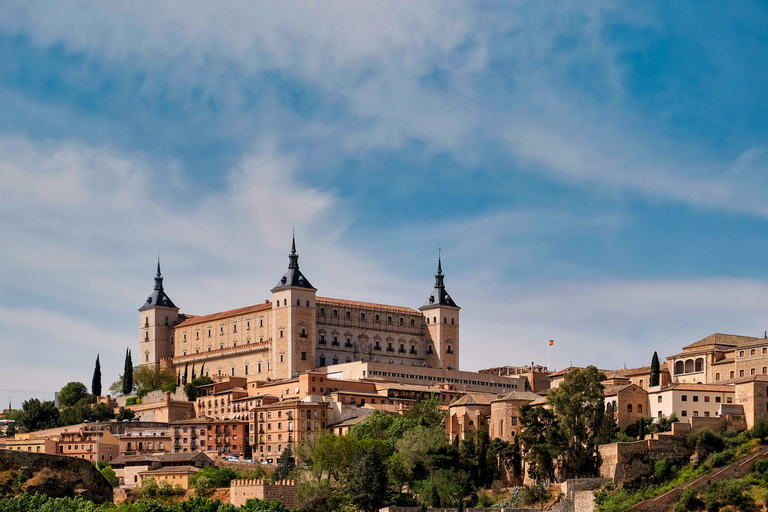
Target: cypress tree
{"x": 193, "y": 372}
{"x": 129, "y": 371}
{"x": 655, "y": 370}
{"x": 96, "y": 383}
{"x": 126, "y": 372}
{"x": 201, "y": 369}
{"x": 186, "y": 374}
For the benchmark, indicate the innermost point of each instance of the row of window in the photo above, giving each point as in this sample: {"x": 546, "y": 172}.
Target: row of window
{"x": 753, "y": 352}
{"x": 742, "y": 373}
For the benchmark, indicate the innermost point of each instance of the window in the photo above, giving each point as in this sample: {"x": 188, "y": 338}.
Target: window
{"x": 741, "y": 353}
{"x": 706, "y": 414}
{"x": 731, "y": 373}
{"x": 349, "y": 314}
{"x": 729, "y": 399}
{"x": 752, "y": 352}
{"x": 684, "y": 398}
{"x": 303, "y": 356}
{"x": 281, "y": 358}
{"x": 659, "y": 399}
{"x": 684, "y": 414}
{"x": 717, "y": 376}
{"x": 695, "y": 413}
{"x": 298, "y": 302}
{"x": 234, "y": 327}
{"x": 717, "y": 399}
{"x": 706, "y": 399}
{"x": 445, "y": 320}
{"x": 695, "y": 398}
{"x": 741, "y": 373}
{"x": 629, "y": 407}
{"x": 751, "y": 371}
{"x": 281, "y": 333}
{"x": 639, "y": 407}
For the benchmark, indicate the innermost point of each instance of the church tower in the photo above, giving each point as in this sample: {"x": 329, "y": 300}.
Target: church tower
{"x": 293, "y": 322}
{"x": 441, "y": 315}
{"x": 157, "y": 317}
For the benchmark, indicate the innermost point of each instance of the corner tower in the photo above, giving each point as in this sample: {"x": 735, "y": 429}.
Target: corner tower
{"x": 441, "y": 314}
{"x": 293, "y": 322}
{"x": 157, "y": 317}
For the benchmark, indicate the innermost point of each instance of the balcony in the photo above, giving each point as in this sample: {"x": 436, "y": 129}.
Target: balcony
{"x": 390, "y": 349}
{"x": 377, "y": 347}
{"x": 401, "y": 351}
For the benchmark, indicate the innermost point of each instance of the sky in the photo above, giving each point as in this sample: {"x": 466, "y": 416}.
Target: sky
{"x": 594, "y": 173}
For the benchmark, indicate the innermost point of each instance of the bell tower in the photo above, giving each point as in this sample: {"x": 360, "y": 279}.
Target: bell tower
{"x": 293, "y": 322}
{"x": 157, "y": 317}
{"x": 441, "y": 315}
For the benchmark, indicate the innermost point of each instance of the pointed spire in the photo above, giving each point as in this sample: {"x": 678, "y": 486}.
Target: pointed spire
{"x": 294, "y": 256}
{"x": 439, "y": 276}
{"x": 158, "y": 277}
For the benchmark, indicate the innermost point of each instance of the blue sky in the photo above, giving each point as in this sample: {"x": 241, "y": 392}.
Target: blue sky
{"x": 595, "y": 172}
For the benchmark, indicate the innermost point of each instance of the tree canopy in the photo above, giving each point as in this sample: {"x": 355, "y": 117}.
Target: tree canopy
{"x": 72, "y": 393}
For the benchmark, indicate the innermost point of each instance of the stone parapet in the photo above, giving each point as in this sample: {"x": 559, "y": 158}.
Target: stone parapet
{"x": 241, "y": 491}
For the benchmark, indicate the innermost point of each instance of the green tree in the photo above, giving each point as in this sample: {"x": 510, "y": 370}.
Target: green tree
{"x": 184, "y": 377}
{"x": 72, "y": 393}
{"x": 128, "y": 373}
{"x": 151, "y": 377}
{"x": 367, "y": 480}
{"x": 38, "y": 415}
{"x": 579, "y": 404}
{"x": 109, "y": 474}
{"x": 655, "y": 370}
{"x": 125, "y": 414}
{"x": 96, "y": 382}
{"x": 541, "y": 441}
{"x": 285, "y": 465}
{"x": 191, "y": 388}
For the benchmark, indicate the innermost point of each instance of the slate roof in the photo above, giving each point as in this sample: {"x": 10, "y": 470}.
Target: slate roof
{"x": 158, "y": 296}
{"x": 294, "y": 277}
{"x": 439, "y": 297}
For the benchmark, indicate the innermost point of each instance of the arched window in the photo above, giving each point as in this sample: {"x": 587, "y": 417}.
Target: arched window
{"x": 427, "y": 320}
{"x": 413, "y": 322}
{"x": 639, "y": 407}
{"x": 679, "y": 368}
{"x": 335, "y": 360}
{"x": 451, "y": 321}
{"x": 629, "y": 407}
{"x": 376, "y": 318}
{"x": 700, "y": 365}
{"x": 298, "y": 302}
{"x": 285, "y": 302}
{"x": 445, "y": 320}
{"x": 434, "y": 319}
{"x": 362, "y": 317}
{"x": 322, "y": 311}
{"x": 608, "y": 407}
{"x": 322, "y": 360}
{"x": 689, "y": 366}
{"x": 307, "y": 303}
{"x": 349, "y": 314}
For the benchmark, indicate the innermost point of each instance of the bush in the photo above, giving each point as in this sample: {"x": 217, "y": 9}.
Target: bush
{"x": 688, "y": 500}
{"x": 704, "y": 442}
{"x": 661, "y": 470}
{"x": 727, "y": 492}
{"x": 149, "y": 487}
{"x": 761, "y": 466}
{"x": 109, "y": 475}
{"x": 203, "y": 486}
{"x": 719, "y": 459}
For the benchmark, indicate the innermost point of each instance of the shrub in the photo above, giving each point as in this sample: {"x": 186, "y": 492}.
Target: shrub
{"x": 760, "y": 429}
{"x": 202, "y": 486}
{"x": 661, "y": 470}
{"x": 688, "y": 500}
{"x": 719, "y": 459}
{"x": 149, "y": 487}
{"x": 727, "y": 492}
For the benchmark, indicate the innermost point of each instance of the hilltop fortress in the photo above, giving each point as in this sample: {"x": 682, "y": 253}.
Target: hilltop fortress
{"x": 297, "y": 331}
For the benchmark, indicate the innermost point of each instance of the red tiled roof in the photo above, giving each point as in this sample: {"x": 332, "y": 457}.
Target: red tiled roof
{"x": 368, "y": 305}
{"x": 194, "y": 320}
{"x": 730, "y": 340}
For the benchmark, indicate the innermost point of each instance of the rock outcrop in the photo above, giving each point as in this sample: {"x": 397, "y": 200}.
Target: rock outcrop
{"x": 53, "y": 475}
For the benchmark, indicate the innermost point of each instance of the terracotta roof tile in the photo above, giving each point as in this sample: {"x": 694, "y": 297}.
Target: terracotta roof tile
{"x": 729, "y": 340}
{"x": 368, "y": 305}
{"x": 194, "y": 320}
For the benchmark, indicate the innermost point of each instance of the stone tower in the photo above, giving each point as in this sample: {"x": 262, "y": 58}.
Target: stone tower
{"x": 157, "y": 317}
{"x": 293, "y": 322}
{"x": 441, "y": 315}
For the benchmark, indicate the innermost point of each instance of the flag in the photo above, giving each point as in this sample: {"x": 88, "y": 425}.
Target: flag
{"x": 551, "y": 342}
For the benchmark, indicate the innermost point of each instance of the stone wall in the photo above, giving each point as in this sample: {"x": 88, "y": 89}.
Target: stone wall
{"x": 241, "y": 491}
{"x": 625, "y": 461}
{"x": 417, "y": 509}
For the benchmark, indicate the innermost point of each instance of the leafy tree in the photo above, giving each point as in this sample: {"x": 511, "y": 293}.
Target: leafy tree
{"x": 655, "y": 370}
{"x": 427, "y": 413}
{"x": 331, "y": 454}
{"x": 72, "y": 393}
{"x": 425, "y": 450}
{"x": 191, "y": 388}
{"x": 151, "y": 377}
{"x": 38, "y": 415}
{"x": 285, "y": 465}
{"x": 542, "y": 441}
{"x": 83, "y": 410}
{"x": 125, "y": 414}
{"x": 760, "y": 429}
{"x": 109, "y": 474}
{"x": 664, "y": 423}
{"x": 96, "y": 382}
{"x": 579, "y": 404}
{"x": 367, "y": 480}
